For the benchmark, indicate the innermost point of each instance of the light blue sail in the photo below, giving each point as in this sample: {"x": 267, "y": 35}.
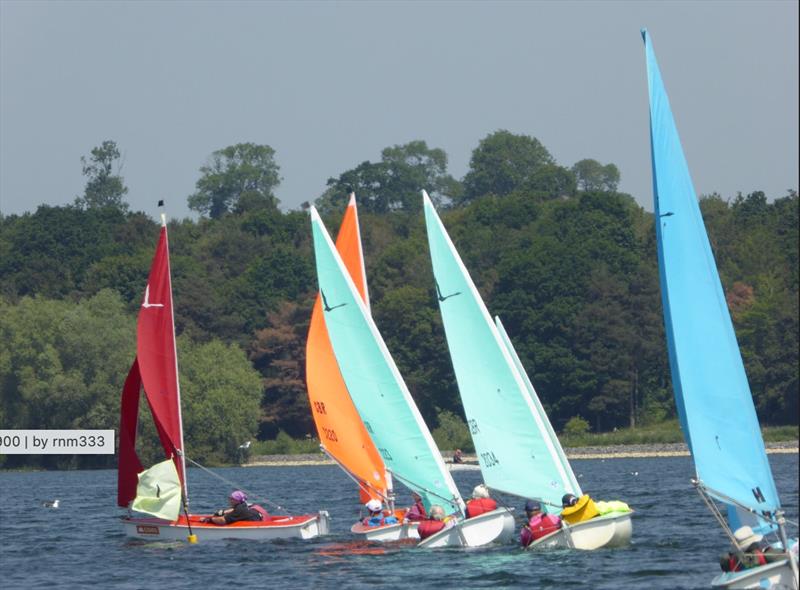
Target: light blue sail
{"x": 376, "y": 387}
{"x": 516, "y": 449}
{"x": 711, "y": 390}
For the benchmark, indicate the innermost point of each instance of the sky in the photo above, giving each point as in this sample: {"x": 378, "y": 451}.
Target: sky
{"x": 328, "y": 85}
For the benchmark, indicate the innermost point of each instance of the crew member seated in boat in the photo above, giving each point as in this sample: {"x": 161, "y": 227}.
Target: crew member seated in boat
{"x": 753, "y": 552}
{"x": 539, "y": 523}
{"x": 480, "y": 502}
{"x": 458, "y": 456}
{"x": 376, "y": 516}
{"x": 239, "y": 510}
{"x": 436, "y": 521}
{"x": 417, "y": 511}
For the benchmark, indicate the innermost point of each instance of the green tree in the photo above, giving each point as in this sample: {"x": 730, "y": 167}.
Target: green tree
{"x": 103, "y": 187}
{"x": 591, "y": 175}
{"x": 238, "y": 178}
{"x": 504, "y": 162}
{"x": 393, "y": 183}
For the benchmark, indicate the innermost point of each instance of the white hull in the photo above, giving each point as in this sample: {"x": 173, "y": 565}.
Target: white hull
{"x": 387, "y": 532}
{"x": 611, "y": 530}
{"x": 463, "y": 467}
{"x": 290, "y": 527}
{"x": 496, "y": 526}
{"x": 776, "y": 576}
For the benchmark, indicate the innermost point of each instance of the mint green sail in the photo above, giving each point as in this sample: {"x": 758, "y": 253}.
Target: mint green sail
{"x": 517, "y": 451}
{"x": 159, "y": 491}
{"x": 376, "y": 387}
{"x": 562, "y": 456}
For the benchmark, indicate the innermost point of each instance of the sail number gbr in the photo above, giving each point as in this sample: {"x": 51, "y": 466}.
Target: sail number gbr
{"x": 489, "y": 460}
{"x": 319, "y": 407}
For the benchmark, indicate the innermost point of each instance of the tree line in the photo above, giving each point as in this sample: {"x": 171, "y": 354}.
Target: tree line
{"x": 567, "y": 261}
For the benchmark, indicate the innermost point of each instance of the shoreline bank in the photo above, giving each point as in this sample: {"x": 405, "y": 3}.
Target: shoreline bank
{"x": 609, "y": 452}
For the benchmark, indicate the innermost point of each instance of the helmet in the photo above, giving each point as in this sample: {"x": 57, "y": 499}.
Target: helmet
{"x": 238, "y": 496}
{"x": 568, "y": 500}
{"x": 533, "y": 506}
{"x": 480, "y": 491}
{"x": 374, "y": 505}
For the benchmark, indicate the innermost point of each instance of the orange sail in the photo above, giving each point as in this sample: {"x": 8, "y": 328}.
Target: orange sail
{"x": 340, "y": 429}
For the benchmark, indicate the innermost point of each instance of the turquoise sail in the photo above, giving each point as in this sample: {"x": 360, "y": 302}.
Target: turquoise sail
{"x": 711, "y": 390}
{"x": 376, "y": 387}
{"x": 516, "y": 451}
{"x": 562, "y": 456}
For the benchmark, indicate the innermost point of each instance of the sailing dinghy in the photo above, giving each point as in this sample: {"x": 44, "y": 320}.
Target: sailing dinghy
{"x": 341, "y": 433}
{"x": 156, "y": 369}
{"x": 712, "y": 394}
{"x": 385, "y": 405}
{"x": 518, "y": 451}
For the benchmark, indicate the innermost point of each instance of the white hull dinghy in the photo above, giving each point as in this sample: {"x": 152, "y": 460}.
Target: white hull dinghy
{"x": 392, "y": 419}
{"x": 496, "y": 526}
{"x": 610, "y": 530}
{"x": 162, "y": 490}
{"x": 499, "y": 399}
{"x": 387, "y": 532}
{"x": 307, "y": 526}
{"x": 712, "y": 393}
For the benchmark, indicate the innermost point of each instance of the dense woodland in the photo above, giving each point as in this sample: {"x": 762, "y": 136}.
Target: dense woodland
{"x": 568, "y": 263}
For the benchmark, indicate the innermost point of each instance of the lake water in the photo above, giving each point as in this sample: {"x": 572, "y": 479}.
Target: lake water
{"x": 676, "y": 542}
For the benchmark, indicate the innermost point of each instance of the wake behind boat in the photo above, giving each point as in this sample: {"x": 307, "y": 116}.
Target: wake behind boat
{"x": 712, "y": 394}
{"x": 162, "y": 490}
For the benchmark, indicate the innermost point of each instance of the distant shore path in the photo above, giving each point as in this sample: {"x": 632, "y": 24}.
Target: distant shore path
{"x": 610, "y": 452}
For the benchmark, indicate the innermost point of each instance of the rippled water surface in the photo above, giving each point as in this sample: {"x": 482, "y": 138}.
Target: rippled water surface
{"x": 676, "y": 542}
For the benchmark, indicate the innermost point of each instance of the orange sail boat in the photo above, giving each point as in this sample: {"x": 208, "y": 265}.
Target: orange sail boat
{"x": 342, "y": 433}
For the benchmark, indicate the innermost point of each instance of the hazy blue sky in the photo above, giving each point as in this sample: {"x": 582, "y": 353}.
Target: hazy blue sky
{"x": 329, "y": 85}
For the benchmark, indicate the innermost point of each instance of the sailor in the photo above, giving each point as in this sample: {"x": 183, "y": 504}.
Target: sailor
{"x": 539, "y": 523}
{"x": 436, "y": 521}
{"x": 458, "y": 456}
{"x": 480, "y": 502}
{"x": 376, "y": 516}
{"x": 753, "y": 551}
{"x": 417, "y": 511}
{"x": 239, "y": 510}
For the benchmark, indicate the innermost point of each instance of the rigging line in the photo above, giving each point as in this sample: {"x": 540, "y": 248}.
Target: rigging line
{"x": 725, "y": 498}
{"x": 717, "y": 514}
{"x": 409, "y": 483}
{"x": 235, "y": 485}
{"x": 363, "y": 485}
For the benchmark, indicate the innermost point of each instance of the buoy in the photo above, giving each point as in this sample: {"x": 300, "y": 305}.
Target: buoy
{"x": 192, "y": 539}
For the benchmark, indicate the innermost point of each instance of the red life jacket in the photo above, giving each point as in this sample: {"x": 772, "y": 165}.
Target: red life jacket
{"x": 543, "y": 524}
{"x": 478, "y": 506}
{"x": 734, "y": 565}
{"x": 429, "y": 527}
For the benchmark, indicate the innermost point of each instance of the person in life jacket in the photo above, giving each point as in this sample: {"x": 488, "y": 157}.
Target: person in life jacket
{"x": 376, "y": 516}
{"x": 753, "y": 551}
{"x": 539, "y": 523}
{"x": 417, "y": 511}
{"x": 436, "y": 521}
{"x": 480, "y": 502}
{"x": 239, "y": 510}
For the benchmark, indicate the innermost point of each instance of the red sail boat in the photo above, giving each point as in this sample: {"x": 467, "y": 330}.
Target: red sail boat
{"x": 156, "y": 369}
{"x": 341, "y": 432}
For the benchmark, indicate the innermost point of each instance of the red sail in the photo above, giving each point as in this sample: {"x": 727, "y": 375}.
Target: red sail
{"x": 157, "y": 357}
{"x": 129, "y": 465}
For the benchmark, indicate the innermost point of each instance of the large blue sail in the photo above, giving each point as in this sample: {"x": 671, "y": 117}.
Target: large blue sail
{"x": 711, "y": 390}
{"x": 517, "y": 449}
{"x": 375, "y": 385}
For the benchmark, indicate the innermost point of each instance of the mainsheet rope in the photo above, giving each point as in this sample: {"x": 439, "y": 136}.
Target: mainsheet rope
{"x": 237, "y": 486}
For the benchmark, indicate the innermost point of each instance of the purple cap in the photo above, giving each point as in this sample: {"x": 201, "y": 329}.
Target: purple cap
{"x": 238, "y": 496}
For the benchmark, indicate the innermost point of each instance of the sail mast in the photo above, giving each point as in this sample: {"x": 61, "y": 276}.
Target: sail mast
{"x": 175, "y": 356}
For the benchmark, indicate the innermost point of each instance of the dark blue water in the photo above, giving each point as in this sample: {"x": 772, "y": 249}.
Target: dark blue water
{"x": 676, "y": 542}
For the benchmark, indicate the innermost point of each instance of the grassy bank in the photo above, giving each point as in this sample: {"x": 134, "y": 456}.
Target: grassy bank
{"x": 663, "y": 433}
